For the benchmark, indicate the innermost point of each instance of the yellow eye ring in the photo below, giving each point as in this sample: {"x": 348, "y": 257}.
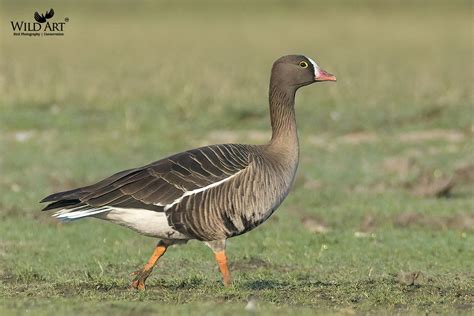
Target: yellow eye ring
{"x": 303, "y": 64}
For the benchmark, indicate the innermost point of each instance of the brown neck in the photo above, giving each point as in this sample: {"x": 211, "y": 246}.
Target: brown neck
{"x": 282, "y": 115}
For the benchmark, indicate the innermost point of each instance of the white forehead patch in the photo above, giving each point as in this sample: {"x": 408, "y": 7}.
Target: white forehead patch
{"x": 315, "y": 66}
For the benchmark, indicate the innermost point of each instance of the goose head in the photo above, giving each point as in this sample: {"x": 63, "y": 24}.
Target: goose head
{"x": 298, "y": 71}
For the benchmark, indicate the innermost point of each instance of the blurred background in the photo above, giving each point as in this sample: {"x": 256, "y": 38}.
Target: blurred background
{"x": 383, "y": 198}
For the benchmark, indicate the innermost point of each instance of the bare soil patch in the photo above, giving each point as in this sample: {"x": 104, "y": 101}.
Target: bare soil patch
{"x": 452, "y": 136}
{"x": 315, "y": 224}
{"x": 412, "y": 219}
{"x": 429, "y": 184}
{"x": 330, "y": 142}
{"x": 411, "y": 278}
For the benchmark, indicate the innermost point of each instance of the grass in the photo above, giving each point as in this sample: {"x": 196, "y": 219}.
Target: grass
{"x": 132, "y": 82}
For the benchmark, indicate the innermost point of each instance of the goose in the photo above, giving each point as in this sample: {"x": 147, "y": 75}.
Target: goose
{"x": 209, "y": 193}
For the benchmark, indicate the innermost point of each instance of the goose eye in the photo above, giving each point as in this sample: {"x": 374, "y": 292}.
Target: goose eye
{"x": 303, "y": 64}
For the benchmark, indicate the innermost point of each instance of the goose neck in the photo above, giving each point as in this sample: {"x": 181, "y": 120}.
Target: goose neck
{"x": 282, "y": 116}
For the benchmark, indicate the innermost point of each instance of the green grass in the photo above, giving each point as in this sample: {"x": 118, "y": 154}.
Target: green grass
{"x": 132, "y": 82}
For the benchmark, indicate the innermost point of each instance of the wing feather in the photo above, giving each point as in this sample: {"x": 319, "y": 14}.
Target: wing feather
{"x": 156, "y": 186}
{"x": 105, "y": 199}
{"x": 134, "y": 187}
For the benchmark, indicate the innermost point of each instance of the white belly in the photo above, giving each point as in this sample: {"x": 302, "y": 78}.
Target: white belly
{"x": 145, "y": 222}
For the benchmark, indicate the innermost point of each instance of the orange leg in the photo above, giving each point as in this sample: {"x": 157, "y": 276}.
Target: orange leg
{"x": 222, "y": 262}
{"x": 142, "y": 274}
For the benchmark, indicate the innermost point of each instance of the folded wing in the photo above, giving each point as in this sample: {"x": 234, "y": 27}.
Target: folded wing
{"x": 157, "y": 186}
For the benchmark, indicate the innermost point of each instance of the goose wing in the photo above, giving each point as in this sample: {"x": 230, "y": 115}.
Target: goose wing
{"x": 156, "y": 186}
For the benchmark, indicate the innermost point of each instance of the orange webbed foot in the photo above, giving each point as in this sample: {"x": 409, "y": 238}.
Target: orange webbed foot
{"x": 142, "y": 274}
{"x": 140, "y": 278}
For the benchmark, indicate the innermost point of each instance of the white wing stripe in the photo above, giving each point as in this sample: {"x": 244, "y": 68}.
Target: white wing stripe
{"x": 187, "y": 193}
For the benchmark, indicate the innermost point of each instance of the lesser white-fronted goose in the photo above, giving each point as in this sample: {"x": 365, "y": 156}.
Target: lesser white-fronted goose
{"x": 210, "y": 193}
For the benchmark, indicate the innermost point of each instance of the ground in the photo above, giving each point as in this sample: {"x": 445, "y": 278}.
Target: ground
{"x": 381, "y": 216}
